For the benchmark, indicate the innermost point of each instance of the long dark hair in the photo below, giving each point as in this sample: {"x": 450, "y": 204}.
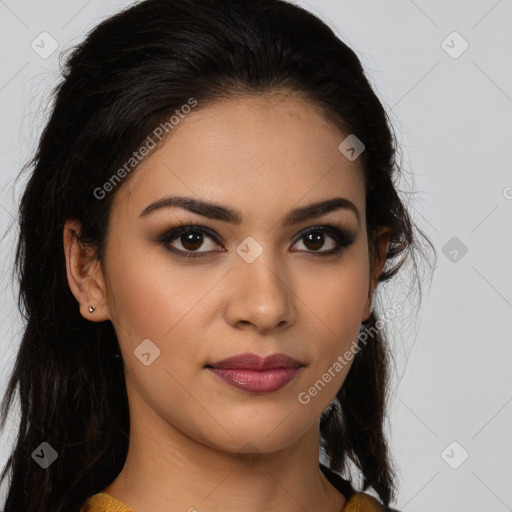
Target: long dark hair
{"x": 131, "y": 73}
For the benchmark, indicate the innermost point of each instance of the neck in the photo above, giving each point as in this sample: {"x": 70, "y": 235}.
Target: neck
{"x": 168, "y": 470}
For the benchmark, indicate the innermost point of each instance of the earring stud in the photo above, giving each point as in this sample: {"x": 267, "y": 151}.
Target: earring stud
{"x": 91, "y": 309}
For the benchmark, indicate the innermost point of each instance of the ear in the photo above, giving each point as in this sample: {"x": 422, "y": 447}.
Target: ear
{"x": 85, "y": 277}
{"x": 377, "y": 262}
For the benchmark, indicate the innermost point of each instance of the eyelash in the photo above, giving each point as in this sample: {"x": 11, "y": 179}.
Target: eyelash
{"x": 342, "y": 238}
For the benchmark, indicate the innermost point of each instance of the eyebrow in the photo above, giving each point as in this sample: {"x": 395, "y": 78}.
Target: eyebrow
{"x": 222, "y": 213}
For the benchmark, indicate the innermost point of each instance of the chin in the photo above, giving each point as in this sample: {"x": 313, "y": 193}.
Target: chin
{"x": 256, "y": 439}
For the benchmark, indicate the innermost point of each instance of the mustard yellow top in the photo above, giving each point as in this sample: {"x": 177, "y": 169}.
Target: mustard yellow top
{"x": 101, "y": 502}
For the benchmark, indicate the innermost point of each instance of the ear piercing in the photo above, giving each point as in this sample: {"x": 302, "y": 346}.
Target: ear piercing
{"x": 91, "y": 309}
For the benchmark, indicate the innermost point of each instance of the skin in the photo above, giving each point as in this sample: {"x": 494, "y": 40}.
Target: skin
{"x": 196, "y": 441}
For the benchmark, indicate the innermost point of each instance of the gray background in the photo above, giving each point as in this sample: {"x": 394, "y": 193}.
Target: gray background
{"x": 452, "y": 116}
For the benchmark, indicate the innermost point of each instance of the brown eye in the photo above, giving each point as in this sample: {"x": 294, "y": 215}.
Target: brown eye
{"x": 191, "y": 241}
{"x": 314, "y": 241}
{"x": 330, "y": 238}
{"x": 187, "y": 240}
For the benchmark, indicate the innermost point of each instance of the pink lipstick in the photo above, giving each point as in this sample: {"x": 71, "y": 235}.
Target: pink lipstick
{"x": 256, "y": 374}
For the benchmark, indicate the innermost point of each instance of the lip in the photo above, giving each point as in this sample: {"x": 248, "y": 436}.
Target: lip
{"x": 256, "y": 374}
{"x": 250, "y": 361}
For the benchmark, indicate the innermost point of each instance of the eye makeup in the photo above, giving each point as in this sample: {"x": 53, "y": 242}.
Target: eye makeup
{"x": 197, "y": 235}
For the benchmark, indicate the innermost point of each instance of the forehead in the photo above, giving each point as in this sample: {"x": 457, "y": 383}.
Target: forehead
{"x": 267, "y": 152}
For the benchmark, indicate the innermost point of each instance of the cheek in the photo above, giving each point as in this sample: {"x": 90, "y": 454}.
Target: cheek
{"x": 338, "y": 294}
{"x": 335, "y": 301}
{"x": 156, "y": 300}
{"x": 153, "y": 296}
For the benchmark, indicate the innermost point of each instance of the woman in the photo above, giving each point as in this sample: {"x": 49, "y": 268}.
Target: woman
{"x": 211, "y": 208}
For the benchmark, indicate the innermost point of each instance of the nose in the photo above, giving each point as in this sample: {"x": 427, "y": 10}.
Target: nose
{"x": 260, "y": 296}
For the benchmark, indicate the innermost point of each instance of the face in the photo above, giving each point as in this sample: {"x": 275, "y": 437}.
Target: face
{"x": 185, "y": 289}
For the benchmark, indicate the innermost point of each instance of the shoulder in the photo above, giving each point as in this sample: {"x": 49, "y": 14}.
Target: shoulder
{"x": 362, "y": 502}
{"x": 356, "y": 501}
{"x": 102, "y": 502}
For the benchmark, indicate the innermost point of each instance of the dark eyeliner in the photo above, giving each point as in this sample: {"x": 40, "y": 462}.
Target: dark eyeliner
{"x": 342, "y": 237}
{"x": 175, "y": 233}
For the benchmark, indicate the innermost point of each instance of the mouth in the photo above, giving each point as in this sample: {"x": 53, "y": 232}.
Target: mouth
{"x": 256, "y": 374}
